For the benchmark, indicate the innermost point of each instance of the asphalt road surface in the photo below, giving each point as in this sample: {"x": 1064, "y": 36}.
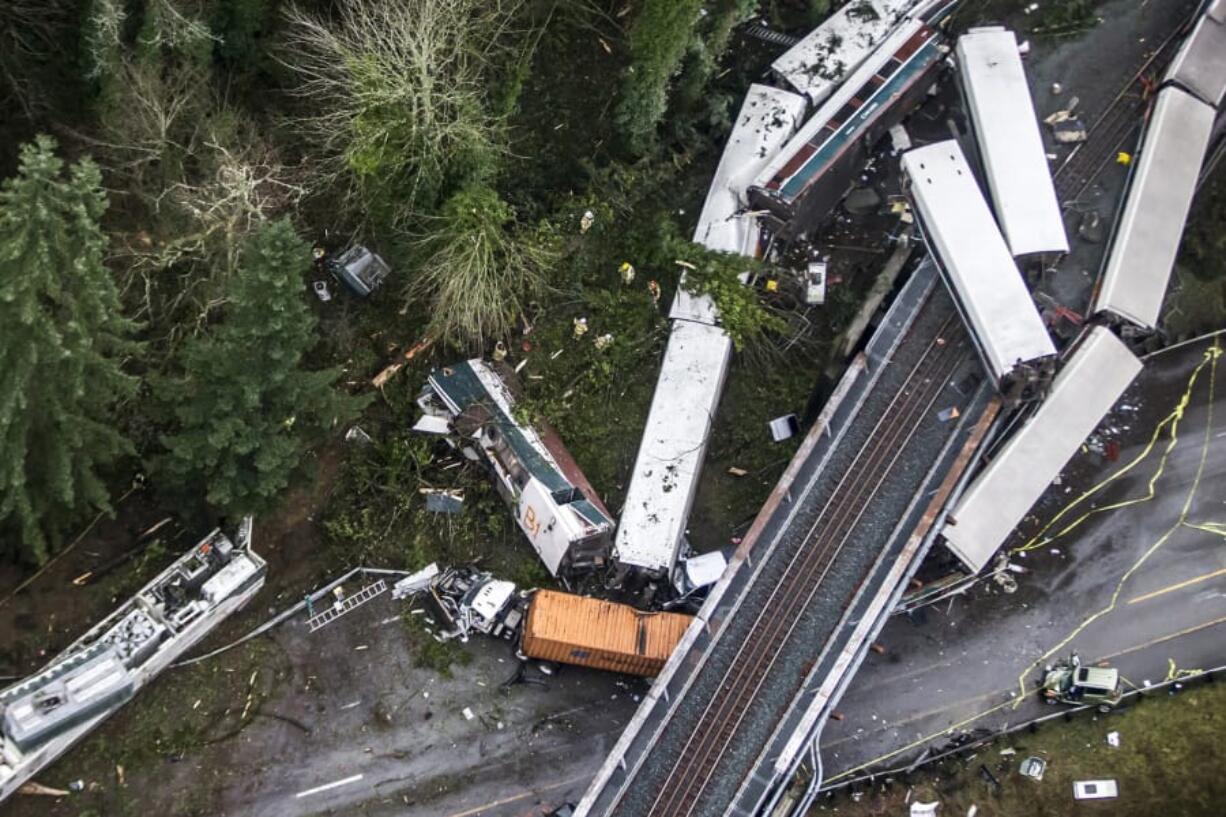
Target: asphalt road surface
{"x": 1138, "y": 579}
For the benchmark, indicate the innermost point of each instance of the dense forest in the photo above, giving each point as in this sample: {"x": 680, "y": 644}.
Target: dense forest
{"x": 169, "y": 165}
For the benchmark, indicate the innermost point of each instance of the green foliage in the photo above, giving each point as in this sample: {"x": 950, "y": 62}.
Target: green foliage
{"x": 63, "y": 340}
{"x": 480, "y": 267}
{"x": 1203, "y": 251}
{"x": 101, "y": 45}
{"x": 661, "y": 34}
{"x": 741, "y": 312}
{"x": 239, "y": 25}
{"x": 245, "y": 407}
{"x": 1068, "y": 15}
{"x": 33, "y": 71}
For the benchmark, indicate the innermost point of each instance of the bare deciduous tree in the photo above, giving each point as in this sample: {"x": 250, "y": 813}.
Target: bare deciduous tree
{"x": 479, "y": 267}
{"x": 394, "y": 96}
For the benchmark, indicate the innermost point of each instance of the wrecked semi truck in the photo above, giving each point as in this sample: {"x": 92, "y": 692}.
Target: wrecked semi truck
{"x": 471, "y": 403}
{"x": 549, "y": 625}
{"x": 570, "y": 629}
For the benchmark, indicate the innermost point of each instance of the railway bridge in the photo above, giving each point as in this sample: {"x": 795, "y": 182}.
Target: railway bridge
{"x": 738, "y": 707}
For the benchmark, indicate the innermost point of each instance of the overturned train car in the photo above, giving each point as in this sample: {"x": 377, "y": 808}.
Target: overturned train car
{"x": 555, "y": 506}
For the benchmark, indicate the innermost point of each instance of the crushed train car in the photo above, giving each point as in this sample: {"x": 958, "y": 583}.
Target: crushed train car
{"x": 50, "y": 710}
{"x": 472, "y": 403}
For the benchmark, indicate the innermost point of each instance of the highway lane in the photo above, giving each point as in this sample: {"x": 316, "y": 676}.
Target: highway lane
{"x": 1140, "y": 585}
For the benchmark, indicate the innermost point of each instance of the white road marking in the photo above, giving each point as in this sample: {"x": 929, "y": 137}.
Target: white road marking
{"x": 332, "y": 785}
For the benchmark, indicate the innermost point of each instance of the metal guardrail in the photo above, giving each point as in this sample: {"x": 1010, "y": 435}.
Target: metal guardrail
{"x": 923, "y": 759}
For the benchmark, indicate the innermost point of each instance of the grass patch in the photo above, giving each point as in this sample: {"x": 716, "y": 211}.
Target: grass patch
{"x": 1169, "y": 762}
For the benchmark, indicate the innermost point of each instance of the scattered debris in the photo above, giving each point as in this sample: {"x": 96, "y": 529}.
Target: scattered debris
{"x": 1056, "y": 89}
{"x": 443, "y": 500}
{"x": 785, "y": 427}
{"x": 415, "y": 583}
{"x": 698, "y": 572}
{"x": 815, "y": 283}
{"x": 862, "y": 201}
{"x": 736, "y": 472}
{"x": 467, "y": 713}
{"x": 41, "y": 790}
{"x": 951, "y": 413}
{"x": 1067, "y": 128}
{"x": 900, "y": 140}
{"x": 1113, "y": 740}
{"x": 321, "y": 291}
{"x": 1095, "y": 790}
{"x": 919, "y": 809}
{"x": 1123, "y": 158}
{"x": 389, "y": 371}
{"x": 361, "y": 270}
{"x": 1090, "y": 227}
{"x": 357, "y": 435}
{"x": 1033, "y": 767}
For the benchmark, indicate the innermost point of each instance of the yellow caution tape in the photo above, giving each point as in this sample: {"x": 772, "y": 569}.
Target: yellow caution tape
{"x": 1210, "y": 358}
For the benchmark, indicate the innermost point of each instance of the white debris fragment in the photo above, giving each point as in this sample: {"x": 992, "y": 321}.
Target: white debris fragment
{"x": 468, "y": 713}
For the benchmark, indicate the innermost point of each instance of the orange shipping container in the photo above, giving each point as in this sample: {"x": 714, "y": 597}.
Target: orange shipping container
{"x": 593, "y": 633}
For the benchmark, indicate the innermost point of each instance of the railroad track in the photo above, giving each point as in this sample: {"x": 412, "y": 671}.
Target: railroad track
{"x": 831, "y": 528}
{"x": 1105, "y": 137}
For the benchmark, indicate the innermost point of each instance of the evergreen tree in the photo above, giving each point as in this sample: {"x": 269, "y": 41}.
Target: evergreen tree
{"x": 246, "y": 408}
{"x": 63, "y": 338}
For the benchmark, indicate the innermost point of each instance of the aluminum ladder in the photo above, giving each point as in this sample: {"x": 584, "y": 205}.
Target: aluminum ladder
{"x": 351, "y": 603}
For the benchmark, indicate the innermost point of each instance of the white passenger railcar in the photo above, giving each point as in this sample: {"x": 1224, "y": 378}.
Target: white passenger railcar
{"x": 1095, "y": 376}
{"x": 979, "y": 270}
{"x": 651, "y": 533}
{"x": 1150, "y": 228}
{"x": 1199, "y": 66}
{"x": 1010, "y": 146}
{"x": 824, "y": 58}
{"x": 1164, "y": 178}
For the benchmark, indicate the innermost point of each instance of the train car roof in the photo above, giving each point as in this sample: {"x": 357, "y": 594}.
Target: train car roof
{"x": 831, "y": 52}
{"x": 1007, "y": 132}
{"x": 665, "y": 476}
{"x": 1149, "y": 231}
{"x": 906, "y": 53}
{"x": 972, "y": 253}
{"x": 1098, "y": 372}
{"x": 767, "y": 118}
{"x": 1200, "y": 64}
{"x": 474, "y": 386}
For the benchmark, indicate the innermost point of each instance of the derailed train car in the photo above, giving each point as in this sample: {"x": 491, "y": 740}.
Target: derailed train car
{"x": 554, "y": 504}
{"x": 816, "y": 168}
{"x": 1164, "y": 178}
{"x": 979, "y": 271}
